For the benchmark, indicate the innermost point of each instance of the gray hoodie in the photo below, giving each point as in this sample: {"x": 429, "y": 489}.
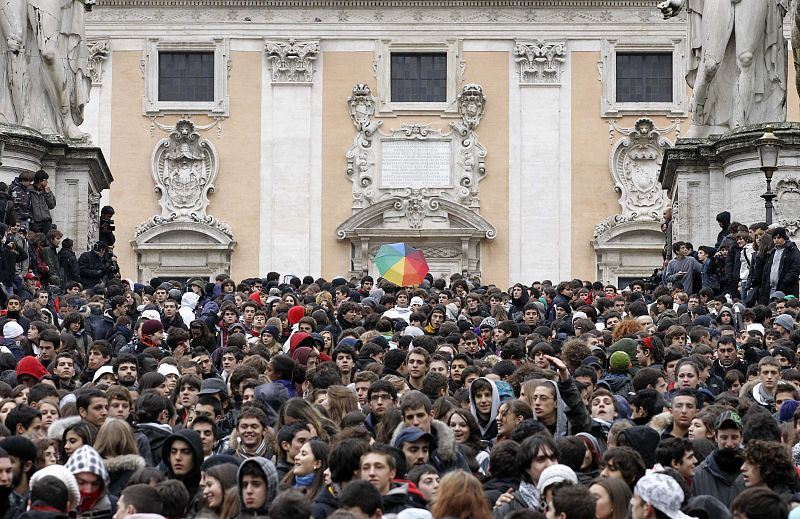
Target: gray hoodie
{"x": 270, "y": 475}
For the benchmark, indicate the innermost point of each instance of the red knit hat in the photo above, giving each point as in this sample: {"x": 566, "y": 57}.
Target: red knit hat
{"x": 151, "y": 326}
{"x": 31, "y": 366}
{"x": 295, "y": 314}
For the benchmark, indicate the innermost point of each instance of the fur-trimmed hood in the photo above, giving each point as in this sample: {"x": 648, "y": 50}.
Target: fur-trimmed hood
{"x": 124, "y": 463}
{"x": 446, "y": 448}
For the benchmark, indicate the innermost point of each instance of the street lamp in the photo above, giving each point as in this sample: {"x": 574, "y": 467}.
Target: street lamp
{"x": 769, "y": 147}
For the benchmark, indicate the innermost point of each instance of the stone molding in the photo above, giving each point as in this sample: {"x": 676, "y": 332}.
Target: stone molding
{"x": 540, "y": 62}
{"x": 129, "y": 12}
{"x": 292, "y": 61}
{"x": 219, "y": 107}
{"x": 355, "y": 4}
{"x": 98, "y": 53}
{"x": 607, "y": 70}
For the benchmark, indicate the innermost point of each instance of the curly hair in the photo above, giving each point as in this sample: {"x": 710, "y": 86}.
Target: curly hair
{"x": 627, "y": 328}
{"x": 773, "y": 461}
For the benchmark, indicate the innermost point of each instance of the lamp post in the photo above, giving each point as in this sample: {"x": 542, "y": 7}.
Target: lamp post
{"x": 769, "y": 148}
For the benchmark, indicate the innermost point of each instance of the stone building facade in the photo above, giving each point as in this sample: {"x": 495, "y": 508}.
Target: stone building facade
{"x": 515, "y": 140}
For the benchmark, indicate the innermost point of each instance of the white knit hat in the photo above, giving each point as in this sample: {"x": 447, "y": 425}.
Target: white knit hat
{"x": 66, "y": 477}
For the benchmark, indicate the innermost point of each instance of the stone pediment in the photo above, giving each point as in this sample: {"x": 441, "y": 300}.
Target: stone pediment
{"x": 378, "y": 220}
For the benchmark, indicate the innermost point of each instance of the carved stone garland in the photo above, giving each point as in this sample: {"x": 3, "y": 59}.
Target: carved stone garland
{"x": 292, "y": 61}
{"x": 635, "y": 162}
{"x": 540, "y": 62}
{"x": 184, "y": 168}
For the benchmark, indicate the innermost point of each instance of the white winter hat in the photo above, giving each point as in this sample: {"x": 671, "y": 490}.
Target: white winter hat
{"x": 65, "y": 476}
{"x": 12, "y": 330}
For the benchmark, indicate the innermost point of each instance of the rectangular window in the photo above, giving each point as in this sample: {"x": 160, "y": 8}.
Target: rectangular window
{"x": 186, "y": 76}
{"x": 419, "y": 77}
{"x": 644, "y": 77}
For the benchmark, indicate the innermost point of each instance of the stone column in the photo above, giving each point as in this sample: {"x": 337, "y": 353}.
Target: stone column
{"x": 539, "y": 143}
{"x": 291, "y": 162}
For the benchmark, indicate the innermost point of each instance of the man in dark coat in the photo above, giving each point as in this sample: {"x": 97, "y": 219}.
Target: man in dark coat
{"x": 782, "y": 268}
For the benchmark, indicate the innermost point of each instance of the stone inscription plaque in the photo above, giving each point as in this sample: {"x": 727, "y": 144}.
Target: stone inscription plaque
{"x": 415, "y": 164}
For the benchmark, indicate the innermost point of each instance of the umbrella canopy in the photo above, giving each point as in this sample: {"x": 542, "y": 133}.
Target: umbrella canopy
{"x": 401, "y": 264}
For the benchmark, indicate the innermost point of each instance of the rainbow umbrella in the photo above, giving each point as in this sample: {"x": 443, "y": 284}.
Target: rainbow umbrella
{"x": 401, "y": 264}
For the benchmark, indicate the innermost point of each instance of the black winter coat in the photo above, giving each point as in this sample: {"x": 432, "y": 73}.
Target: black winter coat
{"x": 789, "y": 273}
{"x": 69, "y": 265}
{"x": 91, "y": 268}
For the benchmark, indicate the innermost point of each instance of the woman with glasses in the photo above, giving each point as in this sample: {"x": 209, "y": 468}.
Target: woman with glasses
{"x": 557, "y": 403}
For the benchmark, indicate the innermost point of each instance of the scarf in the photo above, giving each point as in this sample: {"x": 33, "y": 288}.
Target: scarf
{"x": 304, "y": 481}
{"x": 530, "y": 494}
{"x": 88, "y": 501}
{"x": 259, "y": 451}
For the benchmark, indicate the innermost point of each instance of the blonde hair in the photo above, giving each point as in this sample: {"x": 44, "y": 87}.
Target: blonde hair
{"x": 115, "y": 438}
{"x": 341, "y": 400}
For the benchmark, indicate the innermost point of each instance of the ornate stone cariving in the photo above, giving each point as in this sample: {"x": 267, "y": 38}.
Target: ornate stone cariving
{"x": 184, "y": 167}
{"x": 635, "y": 163}
{"x": 630, "y": 243}
{"x": 416, "y": 183}
{"x": 540, "y": 62}
{"x": 98, "y": 53}
{"x": 292, "y": 61}
{"x": 787, "y": 204}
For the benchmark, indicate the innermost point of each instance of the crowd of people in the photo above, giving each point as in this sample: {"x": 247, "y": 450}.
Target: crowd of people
{"x": 289, "y": 398}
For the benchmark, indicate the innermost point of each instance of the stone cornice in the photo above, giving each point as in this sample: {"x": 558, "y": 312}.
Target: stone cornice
{"x": 373, "y": 4}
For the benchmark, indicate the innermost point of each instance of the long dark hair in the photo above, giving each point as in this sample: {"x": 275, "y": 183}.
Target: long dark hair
{"x": 321, "y": 451}
{"x": 474, "y": 439}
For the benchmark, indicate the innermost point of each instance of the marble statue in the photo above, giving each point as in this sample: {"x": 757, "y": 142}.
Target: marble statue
{"x": 737, "y": 62}
{"x": 45, "y": 65}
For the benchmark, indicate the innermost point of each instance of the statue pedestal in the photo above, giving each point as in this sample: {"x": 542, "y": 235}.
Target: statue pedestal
{"x": 723, "y": 173}
{"x": 78, "y": 173}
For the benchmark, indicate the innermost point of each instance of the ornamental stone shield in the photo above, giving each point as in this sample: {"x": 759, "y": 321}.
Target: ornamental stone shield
{"x": 787, "y": 204}
{"x": 635, "y": 162}
{"x": 184, "y": 169}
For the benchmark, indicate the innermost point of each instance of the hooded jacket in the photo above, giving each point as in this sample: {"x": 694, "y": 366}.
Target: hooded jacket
{"x": 710, "y": 479}
{"x": 120, "y": 469}
{"x": 489, "y": 429}
{"x": 156, "y": 435}
{"x": 445, "y": 456}
{"x": 189, "y": 302}
{"x": 572, "y": 417}
{"x": 517, "y": 305}
{"x": 69, "y": 265}
{"x": 644, "y": 440}
{"x": 266, "y": 468}
{"x": 191, "y": 480}
{"x": 86, "y": 459}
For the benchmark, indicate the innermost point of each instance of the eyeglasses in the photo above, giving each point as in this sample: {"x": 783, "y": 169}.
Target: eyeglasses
{"x": 541, "y": 398}
{"x": 381, "y": 396}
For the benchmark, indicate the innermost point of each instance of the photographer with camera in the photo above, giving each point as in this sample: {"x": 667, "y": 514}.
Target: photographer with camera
{"x": 107, "y": 227}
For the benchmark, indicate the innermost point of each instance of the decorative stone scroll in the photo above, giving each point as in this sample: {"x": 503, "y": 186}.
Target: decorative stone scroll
{"x": 292, "y": 60}
{"x": 184, "y": 167}
{"x": 98, "y": 53}
{"x": 540, "y": 62}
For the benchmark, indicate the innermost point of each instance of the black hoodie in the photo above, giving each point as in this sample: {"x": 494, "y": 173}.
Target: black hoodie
{"x": 644, "y": 440}
{"x": 191, "y": 480}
